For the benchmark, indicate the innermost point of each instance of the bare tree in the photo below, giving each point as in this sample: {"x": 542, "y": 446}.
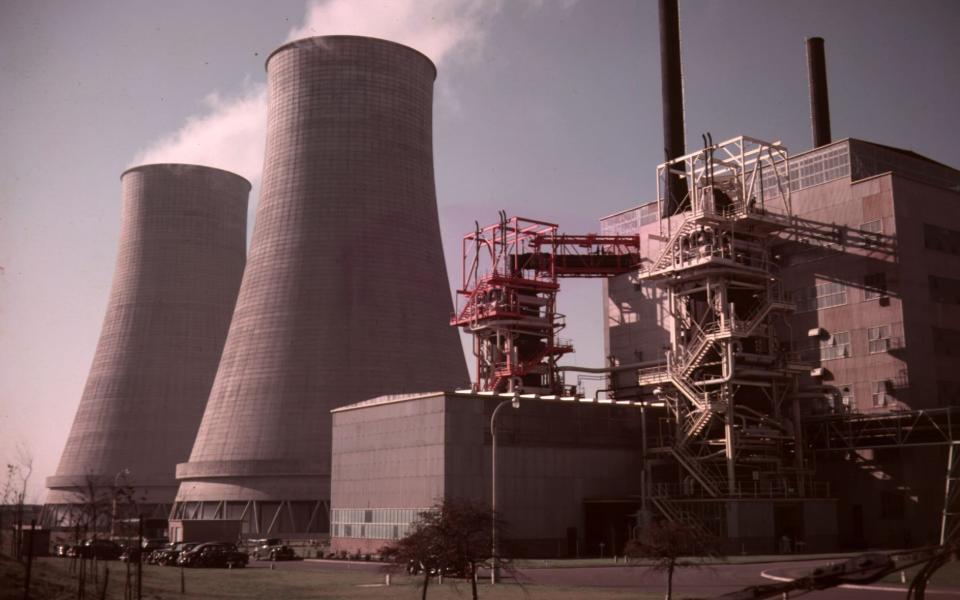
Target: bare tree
{"x": 667, "y": 544}
{"x": 15, "y": 491}
{"x": 453, "y": 537}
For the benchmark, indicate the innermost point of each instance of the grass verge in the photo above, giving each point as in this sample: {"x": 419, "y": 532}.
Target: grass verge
{"x": 52, "y": 580}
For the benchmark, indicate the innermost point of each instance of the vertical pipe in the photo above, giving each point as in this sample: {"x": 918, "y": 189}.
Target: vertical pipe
{"x": 26, "y": 581}
{"x": 730, "y": 445}
{"x": 140, "y": 559}
{"x": 819, "y": 101}
{"x": 671, "y": 87}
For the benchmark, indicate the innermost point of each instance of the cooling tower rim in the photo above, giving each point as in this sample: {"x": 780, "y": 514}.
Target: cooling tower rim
{"x": 310, "y": 41}
{"x": 153, "y": 166}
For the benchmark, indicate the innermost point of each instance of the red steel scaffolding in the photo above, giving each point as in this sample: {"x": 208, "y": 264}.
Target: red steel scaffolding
{"x": 508, "y": 291}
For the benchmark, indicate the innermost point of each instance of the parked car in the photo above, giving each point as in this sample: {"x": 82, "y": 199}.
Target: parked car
{"x": 132, "y": 553}
{"x": 214, "y": 554}
{"x": 272, "y": 549}
{"x": 64, "y": 549}
{"x": 168, "y": 555}
{"x": 99, "y": 549}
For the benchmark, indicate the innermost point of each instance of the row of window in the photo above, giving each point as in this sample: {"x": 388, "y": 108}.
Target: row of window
{"x": 880, "y": 396}
{"x": 830, "y": 294}
{"x": 373, "y": 523}
{"x": 838, "y": 345}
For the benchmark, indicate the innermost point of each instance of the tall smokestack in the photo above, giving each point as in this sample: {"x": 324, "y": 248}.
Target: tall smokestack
{"x": 819, "y": 100}
{"x": 179, "y": 265}
{"x": 345, "y": 296}
{"x": 672, "y": 91}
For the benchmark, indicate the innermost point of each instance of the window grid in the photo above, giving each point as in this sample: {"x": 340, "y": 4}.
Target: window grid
{"x": 874, "y": 286}
{"x": 377, "y": 523}
{"x": 879, "y": 393}
{"x": 846, "y": 398}
{"x": 838, "y": 346}
{"x": 878, "y": 339}
{"x": 825, "y": 295}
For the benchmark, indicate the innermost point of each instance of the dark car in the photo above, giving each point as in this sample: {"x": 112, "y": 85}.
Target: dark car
{"x": 168, "y": 555}
{"x": 272, "y": 549}
{"x": 100, "y": 549}
{"x": 214, "y": 554}
{"x": 132, "y": 554}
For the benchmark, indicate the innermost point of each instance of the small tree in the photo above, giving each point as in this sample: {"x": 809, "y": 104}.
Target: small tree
{"x": 666, "y": 544}
{"x": 15, "y": 491}
{"x": 453, "y": 536}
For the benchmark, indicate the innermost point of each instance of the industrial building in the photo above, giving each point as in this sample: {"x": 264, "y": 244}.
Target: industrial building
{"x": 780, "y": 338}
{"x": 758, "y": 312}
{"x": 320, "y": 323}
{"x": 179, "y": 264}
{"x": 763, "y": 344}
{"x": 395, "y": 456}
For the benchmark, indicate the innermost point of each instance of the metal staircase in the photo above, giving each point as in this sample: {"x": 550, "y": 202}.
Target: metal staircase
{"x": 723, "y": 294}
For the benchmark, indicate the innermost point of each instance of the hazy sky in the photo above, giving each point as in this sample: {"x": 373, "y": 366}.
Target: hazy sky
{"x": 548, "y": 109}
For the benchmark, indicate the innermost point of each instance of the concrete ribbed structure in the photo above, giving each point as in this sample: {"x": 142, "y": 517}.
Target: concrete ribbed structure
{"x": 179, "y": 266}
{"x": 345, "y": 296}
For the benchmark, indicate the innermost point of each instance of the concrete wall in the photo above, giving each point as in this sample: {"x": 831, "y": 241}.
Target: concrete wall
{"x": 408, "y": 454}
{"x": 345, "y": 294}
{"x": 179, "y": 264}
{"x": 851, "y": 204}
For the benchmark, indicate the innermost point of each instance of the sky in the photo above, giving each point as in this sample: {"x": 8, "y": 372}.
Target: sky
{"x": 548, "y": 109}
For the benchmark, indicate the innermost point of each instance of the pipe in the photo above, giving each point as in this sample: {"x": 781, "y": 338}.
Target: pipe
{"x": 819, "y": 100}
{"x": 616, "y": 369}
{"x": 671, "y": 87}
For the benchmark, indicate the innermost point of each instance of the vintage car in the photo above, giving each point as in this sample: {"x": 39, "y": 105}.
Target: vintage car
{"x": 214, "y": 554}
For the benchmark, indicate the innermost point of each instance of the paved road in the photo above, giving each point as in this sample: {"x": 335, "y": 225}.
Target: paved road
{"x": 702, "y": 582}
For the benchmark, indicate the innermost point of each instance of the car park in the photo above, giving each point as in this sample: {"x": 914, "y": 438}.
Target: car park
{"x": 168, "y": 555}
{"x": 272, "y": 549}
{"x": 99, "y": 549}
{"x": 132, "y": 554}
{"x": 214, "y": 554}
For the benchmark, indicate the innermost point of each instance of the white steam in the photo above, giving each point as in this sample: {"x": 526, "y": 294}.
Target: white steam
{"x": 230, "y": 133}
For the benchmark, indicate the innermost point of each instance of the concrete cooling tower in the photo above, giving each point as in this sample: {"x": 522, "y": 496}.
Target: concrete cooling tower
{"x": 345, "y": 296}
{"x": 178, "y": 271}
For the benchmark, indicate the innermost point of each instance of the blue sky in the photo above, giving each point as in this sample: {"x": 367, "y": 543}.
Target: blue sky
{"x": 548, "y": 109}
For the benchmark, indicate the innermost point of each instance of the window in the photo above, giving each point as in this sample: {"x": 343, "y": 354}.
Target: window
{"x": 944, "y": 289}
{"x": 874, "y": 286}
{"x": 825, "y": 295}
{"x": 878, "y": 339}
{"x": 946, "y": 342}
{"x": 838, "y": 346}
{"x": 845, "y": 398}
{"x": 941, "y": 239}
{"x": 879, "y": 392}
{"x": 873, "y": 226}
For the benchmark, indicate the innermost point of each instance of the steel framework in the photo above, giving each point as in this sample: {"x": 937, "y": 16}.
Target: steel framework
{"x": 727, "y": 379}
{"x": 507, "y": 297}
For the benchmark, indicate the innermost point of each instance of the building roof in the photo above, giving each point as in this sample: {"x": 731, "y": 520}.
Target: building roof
{"x": 388, "y": 399}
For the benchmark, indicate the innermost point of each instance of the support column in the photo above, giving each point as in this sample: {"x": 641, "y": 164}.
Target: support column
{"x": 729, "y": 442}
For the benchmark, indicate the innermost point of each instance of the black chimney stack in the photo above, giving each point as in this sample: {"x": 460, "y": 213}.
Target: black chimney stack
{"x": 819, "y": 102}
{"x": 672, "y": 90}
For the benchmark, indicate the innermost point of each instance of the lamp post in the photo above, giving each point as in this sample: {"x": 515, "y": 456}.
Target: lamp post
{"x": 515, "y": 402}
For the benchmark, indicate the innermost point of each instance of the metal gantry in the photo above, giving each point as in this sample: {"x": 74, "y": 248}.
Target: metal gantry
{"x": 727, "y": 379}
{"x": 508, "y": 293}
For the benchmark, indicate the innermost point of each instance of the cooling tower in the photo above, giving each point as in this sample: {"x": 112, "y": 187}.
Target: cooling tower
{"x": 178, "y": 271}
{"x": 345, "y": 296}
